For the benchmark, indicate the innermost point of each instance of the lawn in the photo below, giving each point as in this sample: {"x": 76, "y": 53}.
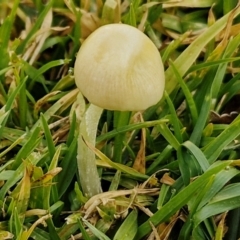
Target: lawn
{"x": 71, "y": 168}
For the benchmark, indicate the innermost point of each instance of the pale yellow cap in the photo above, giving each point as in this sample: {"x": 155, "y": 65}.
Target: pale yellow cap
{"x": 119, "y": 68}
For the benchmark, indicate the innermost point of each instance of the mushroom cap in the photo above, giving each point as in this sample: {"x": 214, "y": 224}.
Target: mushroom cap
{"x": 119, "y": 68}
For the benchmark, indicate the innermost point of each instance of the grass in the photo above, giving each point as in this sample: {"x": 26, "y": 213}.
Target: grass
{"x": 178, "y": 174}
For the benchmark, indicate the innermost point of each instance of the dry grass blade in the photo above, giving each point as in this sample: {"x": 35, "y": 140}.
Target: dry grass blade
{"x": 96, "y": 200}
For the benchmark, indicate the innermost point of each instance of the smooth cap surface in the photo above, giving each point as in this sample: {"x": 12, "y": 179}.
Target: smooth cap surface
{"x": 119, "y": 68}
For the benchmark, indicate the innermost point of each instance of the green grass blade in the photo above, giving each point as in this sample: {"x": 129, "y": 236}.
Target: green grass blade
{"x": 48, "y": 136}
{"x": 72, "y": 131}
{"x": 128, "y": 228}
{"x": 216, "y": 146}
{"x": 34, "y": 158}
{"x": 187, "y": 58}
{"x": 83, "y": 231}
{"x": 20, "y": 196}
{"x": 5, "y": 30}
{"x": 95, "y": 231}
{"x": 229, "y": 5}
{"x": 122, "y": 119}
{"x": 35, "y": 27}
{"x": 202, "y": 119}
{"x": 174, "y": 119}
{"x": 9, "y": 105}
{"x": 187, "y": 93}
{"x": 173, "y": 46}
{"x": 69, "y": 167}
{"x": 128, "y": 128}
{"x": 162, "y": 195}
{"x": 125, "y": 169}
{"x": 34, "y": 139}
{"x": 132, "y": 16}
{"x": 23, "y": 106}
{"x": 227, "y": 199}
{"x": 15, "y": 223}
{"x": 168, "y": 135}
{"x": 115, "y": 181}
{"x": 67, "y": 100}
{"x": 47, "y": 195}
{"x": 180, "y": 199}
{"x": 46, "y": 67}
{"x": 221, "y": 179}
{"x": 184, "y": 160}
{"x": 208, "y": 64}
{"x": 165, "y": 154}
{"x": 233, "y": 223}
{"x": 186, "y": 230}
{"x": 219, "y": 77}
{"x": 198, "y": 154}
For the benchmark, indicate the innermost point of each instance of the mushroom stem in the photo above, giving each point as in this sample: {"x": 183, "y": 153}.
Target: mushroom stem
{"x": 122, "y": 119}
{"x": 86, "y": 160}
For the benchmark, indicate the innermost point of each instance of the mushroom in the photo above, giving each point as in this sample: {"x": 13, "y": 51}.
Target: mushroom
{"x": 117, "y": 68}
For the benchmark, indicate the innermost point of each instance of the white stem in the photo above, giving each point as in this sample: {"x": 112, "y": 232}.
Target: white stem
{"x": 87, "y": 167}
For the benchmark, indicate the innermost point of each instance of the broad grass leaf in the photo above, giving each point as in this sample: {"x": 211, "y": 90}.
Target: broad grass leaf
{"x": 186, "y": 230}
{"x": 128, "y": 228}
{"x": 221, "y": 179}
{"x": 180, "y": 199}
{"x": 216, "y": 146}
{"x": 225, "y": 200}
{"x": 198, "y": 154}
